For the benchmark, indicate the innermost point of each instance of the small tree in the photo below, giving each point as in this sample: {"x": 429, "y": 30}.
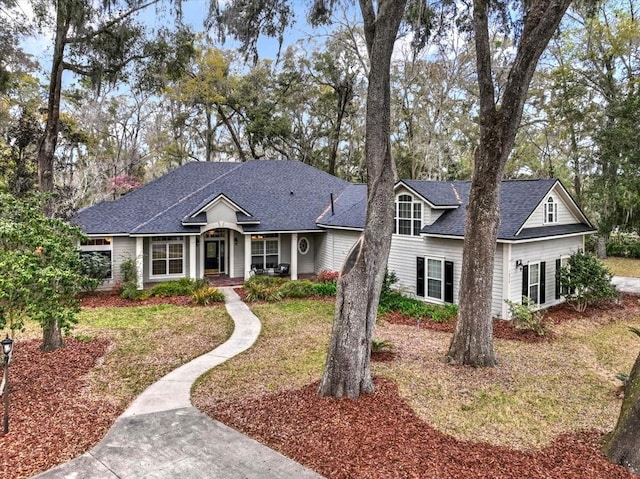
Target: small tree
{"x": 40, "y": 269}
{"x": 623, "y": 444}
{"x": 586, "y": 281}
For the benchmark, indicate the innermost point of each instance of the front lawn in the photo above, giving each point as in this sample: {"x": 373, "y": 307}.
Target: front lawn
{"x": 513, "y": 416}
{"x": 62, "y": 403}
{"x": 623, "y": 266}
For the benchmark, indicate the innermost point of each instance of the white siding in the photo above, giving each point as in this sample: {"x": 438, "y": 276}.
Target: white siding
{"x": 221, "y": 211}
{"x": 497, "y": 296}
{"x": 332, "y": 248}
{"x": 548, "y": 251}
{"x": 306, "y": 263}
{"x": 122, "y": 248}
{"x": 565, "y": 216}
{"x": 238, "y": 254}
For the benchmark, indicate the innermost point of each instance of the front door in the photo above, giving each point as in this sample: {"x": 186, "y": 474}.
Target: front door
{"x": 214, "y": 258}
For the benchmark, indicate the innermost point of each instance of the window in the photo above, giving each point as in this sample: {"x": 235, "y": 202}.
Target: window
{"x": 550, "y": 211}
{"x": 533, "y": 282}
{"x": 439, "y": 279}
{"x": 265, "y": 251}
{"x": 167, "y": 256}
{"x": 408, "y": 216}
{"x": 563, "y": 262}
{"x": 101, "y": 247}
{"x": 303, "y": 245}
{"x": 434, "y": 278}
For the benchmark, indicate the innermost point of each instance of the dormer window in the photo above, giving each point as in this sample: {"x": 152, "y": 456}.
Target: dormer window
{"x": 550, "y": 211}
{"x": 408, "y": 216}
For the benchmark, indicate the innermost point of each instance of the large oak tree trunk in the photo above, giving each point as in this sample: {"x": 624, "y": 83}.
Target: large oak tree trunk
{"x": 472, "y": 343}
{"x": 623, "y": 445}
{"x": 347, "y": 372}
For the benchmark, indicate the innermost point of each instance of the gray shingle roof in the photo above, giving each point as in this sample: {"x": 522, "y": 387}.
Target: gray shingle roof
{"x": 349, "y": 209}
{"x": 518, "y": 200}
{"x": 292, "y": 196}
{"x": 282, "y": 195}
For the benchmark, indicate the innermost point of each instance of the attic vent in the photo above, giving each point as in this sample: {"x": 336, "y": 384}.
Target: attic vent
{"x": 291, "y": 192}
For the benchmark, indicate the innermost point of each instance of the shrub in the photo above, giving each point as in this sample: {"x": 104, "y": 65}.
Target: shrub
{"x": 390, "y": 278}
{"x": 325, "y": 289}
{"x": 624, "y": 245}
{"x": 96, "y": 268}
{"x": 263, "y": 288}
{"x": 394, "y": 301}
{"x": 180, "y": 287}
{"x": 129, "y": 271}
{"x": 380, "y": 345}
{"x": 587, "y": 281}
{"x": 442, "y": 313}
{"x": 525, "y": 317}
{"x": 207, "y": 295}
{"x": 297, "y": 289}
{"x": 325, "y": 276}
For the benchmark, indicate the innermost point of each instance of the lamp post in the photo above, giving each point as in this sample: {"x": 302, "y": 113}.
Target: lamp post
{"x": 7, "y": 346}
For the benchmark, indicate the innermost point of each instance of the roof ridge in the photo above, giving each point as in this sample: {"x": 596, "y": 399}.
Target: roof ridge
{"x": 183, "y": 199}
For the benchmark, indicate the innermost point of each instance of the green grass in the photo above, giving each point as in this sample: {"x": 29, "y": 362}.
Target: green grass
{"x": 289, "y": 353}
{"x": 536, "y": 392}
{"x": 623, "y": 266}
{"x": 149, "y": 341}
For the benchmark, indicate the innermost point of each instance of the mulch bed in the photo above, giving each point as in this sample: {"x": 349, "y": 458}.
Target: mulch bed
{"x": 107, "y": 299}
{"x": 378, "y": 435}
{"x": 52, "y": 417}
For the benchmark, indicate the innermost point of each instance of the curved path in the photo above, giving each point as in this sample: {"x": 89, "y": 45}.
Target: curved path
{"x": 627, "y": 284}
{"x": 161, "y": 435}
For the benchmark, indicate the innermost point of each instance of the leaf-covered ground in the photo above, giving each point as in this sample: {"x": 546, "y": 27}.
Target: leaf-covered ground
{"x": 55, "y": 417}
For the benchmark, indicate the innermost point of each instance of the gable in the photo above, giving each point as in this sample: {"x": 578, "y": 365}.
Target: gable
{"x": 567, "y": 211}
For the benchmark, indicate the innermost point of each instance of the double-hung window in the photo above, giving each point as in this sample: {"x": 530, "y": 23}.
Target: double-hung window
{"x": 408, "y": 216}
{"x": 550, "y": 211}
{"x": 435, "y": 278}
{"x": 533, "y": 282}
{"x": 265, "y": 251}
{"x": 167, "y": 256}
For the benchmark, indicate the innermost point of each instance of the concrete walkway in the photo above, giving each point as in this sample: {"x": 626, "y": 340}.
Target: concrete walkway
{"x": 627, "y": 284}
{"x": 161, "y": 435}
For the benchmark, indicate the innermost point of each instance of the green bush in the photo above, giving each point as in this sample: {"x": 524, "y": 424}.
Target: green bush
{"x": 525, "y": 317}
{"x": 180, "y": 287}
{"x": 395, "y": 301}
{"x": 263, "y": 288}
{"x": 325, "y": 289}
{"x": 587, "y": 281}
{"x": 207, "y": 295}
{"x": 129, "y": 271}
{"x": 297, "y": 289}
{"x": 381, "y": 345}
{"x": 624, "y": 245}
{"x": 96, "y": 268}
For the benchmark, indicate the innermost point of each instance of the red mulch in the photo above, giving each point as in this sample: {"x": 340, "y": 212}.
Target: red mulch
{"x": 627, "y": 307}
{"x": 379, "y": 436}
{"x": 51, "y": 418}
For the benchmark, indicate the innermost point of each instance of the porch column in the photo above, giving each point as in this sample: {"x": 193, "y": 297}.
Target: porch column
{"x": 192, "y": 257}
{"x": 140, "y": 261}
{"x": 506, "y": 278}
{"x": 232, "y": 254}
{"x": 294, "y": 256}
{"x": 247, "y": 256}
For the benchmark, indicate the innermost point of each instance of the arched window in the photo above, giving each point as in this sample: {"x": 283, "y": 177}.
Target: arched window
{"x": 408, "y": 216}
{"x": 550, "y": 211}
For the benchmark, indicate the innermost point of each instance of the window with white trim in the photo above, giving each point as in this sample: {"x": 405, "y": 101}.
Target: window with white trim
{"x": 550, "y": 211}
{"x": 435, "y": 278}
{"x": 265, "y": 251}
{"x": 167, "y": 256}
{"x": 102, "y": 247}
{"x": 534, "y": 282}
{"x": 408, "y": 216}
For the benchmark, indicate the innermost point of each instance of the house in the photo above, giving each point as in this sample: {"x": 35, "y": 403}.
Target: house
{"x": 207, "y": 218}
